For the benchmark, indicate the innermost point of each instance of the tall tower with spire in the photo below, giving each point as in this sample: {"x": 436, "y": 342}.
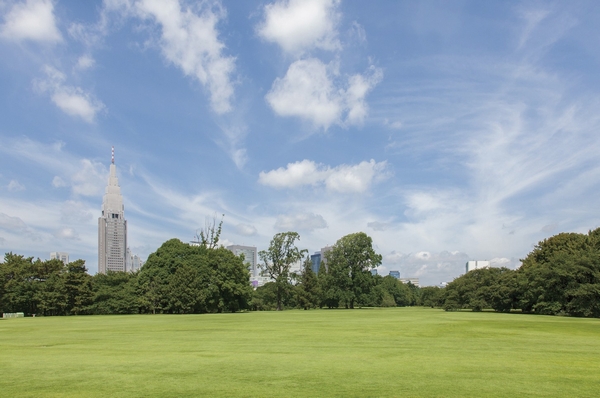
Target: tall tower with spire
{"x": 112, "y": 226}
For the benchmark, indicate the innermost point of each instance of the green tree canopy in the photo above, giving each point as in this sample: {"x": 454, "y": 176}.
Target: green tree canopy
{"x": 277, "y": 260}
{"x": 180, "y": 278}
{"x": 562, "y": 276}
{"x": 349, "y": 263}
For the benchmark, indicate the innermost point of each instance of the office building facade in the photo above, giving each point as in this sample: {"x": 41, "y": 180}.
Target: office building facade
{"x": 395, "y": 274}
{"x": 315, "y": 259}
{"x": 250, "y": 257}
{"x": 471, "y": 265}
{"x": 62, "y": 256}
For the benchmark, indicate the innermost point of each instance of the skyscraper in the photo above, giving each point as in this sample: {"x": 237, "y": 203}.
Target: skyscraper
{"x": 112, "y": 226}
{"x": 249, "y": 253}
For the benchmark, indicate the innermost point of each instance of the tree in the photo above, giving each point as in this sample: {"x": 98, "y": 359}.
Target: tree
{"x": 115, "y": 293}
{"x": 210, "y": 234}
{"x": 186, "y": 295}
{"x": 307, "y": 290}
{"x": 562, "y": 276}
{"x": 180, "y": 278}
{"x": 264, "y": 298}
{"x": 349, "y": 263}
{"x": 229, "y": 285}
{"x": 401, "y": 293}
{"x": 432, "y": 296}
{"x": 277, "y": 260}
{"x": 483, "y": 288}
{"x": 330, "y": 291}
{"x": 19, "y": 286}
{"x": 78, "y": 288}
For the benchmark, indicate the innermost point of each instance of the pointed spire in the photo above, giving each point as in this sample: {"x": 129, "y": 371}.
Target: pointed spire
{"x": 112, "y": 158}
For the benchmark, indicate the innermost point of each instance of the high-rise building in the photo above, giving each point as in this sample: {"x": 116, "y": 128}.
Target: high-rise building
{"x": 413, "y": 281}
{"x": 62, "y": 256}
{"x": 137, "y": 263}
{"x": 324, "y": 251}
{"x": 134, "y": 262}
{"x": 316, "y": 262}
{"x": 112, "y": 226}
{"x": 471, "y": 265}
{"x": 249, "y": 253}
{"x": 395, "y": 274}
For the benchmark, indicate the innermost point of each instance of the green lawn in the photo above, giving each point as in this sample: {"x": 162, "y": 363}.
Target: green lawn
{"x": 365, "y": 352}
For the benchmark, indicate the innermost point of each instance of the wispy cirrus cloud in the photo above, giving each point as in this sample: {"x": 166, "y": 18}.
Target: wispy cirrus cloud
{"x": 85, "y": 177}
{"x": 15, "y": 186}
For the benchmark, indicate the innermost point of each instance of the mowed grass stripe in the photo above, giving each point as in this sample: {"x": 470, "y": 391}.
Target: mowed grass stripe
{"x": 363, "y": 352}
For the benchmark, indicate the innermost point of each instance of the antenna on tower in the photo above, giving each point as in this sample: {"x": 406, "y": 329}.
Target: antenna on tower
{"x": 112, "y": 158}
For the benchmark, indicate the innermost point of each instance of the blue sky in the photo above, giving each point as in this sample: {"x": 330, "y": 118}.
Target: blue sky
{"x": 447, "y": 131}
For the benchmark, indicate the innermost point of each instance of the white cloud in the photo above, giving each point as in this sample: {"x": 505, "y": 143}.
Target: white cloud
{"x": 91, "y": 178}
{"x": 245, "y": 229}
{"x": 234, "y": 131}
{"x": 358, "y": 87}
{"x": 305, "y": 172}
{"x": 501, "y": 262}
{"x": 356, "y": 178}
{"x": 395, "y": 125}
{"x": 66, "y": 233}
{"x": 239, "y": 157}
{"x": 303, "y": 221}
{"x": 85, "y": 62}
{"x": 75, "y": 212}
{"x": 358, "y": 32}
{"x": 58, "y": 182}
{"x": 533, "y": 17}
{"x": 379, "y": 226}
{"x": 310, "y": 90}
{"x": 31, "y": 20}
{"x": 343, "y": 178}
{"x": 15, "y": 186}
{"x": 84, "y": 176}
{"x": 74, "y": 101}
{"x": 432, "y": 267}
{"x": 10, "y": 223}
{"x": 190, "y": 40}
{"x": 301, "y": 25}
{"x": 423, "y": 255}
{"x": 549, "y": 228}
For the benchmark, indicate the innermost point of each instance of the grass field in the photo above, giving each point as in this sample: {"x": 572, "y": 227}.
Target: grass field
{"x": 363, "y": 353}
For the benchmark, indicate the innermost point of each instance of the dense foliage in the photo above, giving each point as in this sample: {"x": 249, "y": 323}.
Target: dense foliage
{"x": 177, "y": 278}
{"x": 277, "y": 260}
{"x": 344, "y": 280}
{"x": 349, "y": 266}
{"x": 561, "y": 276}
{"x": 180, "y": 278}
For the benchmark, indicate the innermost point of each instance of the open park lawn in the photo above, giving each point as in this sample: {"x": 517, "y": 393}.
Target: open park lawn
{"x": 399, "y": 352}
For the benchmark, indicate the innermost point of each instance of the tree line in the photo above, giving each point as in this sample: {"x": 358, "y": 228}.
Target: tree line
{"x": 177, "y": 278}
{"x": 344, "y": 278}
{"x": 206, "y": 278}
{"x": 561, "y": 276}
